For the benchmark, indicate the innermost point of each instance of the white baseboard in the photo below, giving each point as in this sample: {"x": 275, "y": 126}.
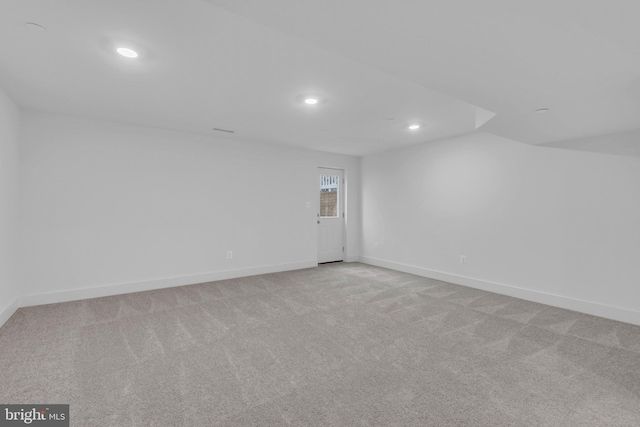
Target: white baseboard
{"x": 7, "y": 312}
{"x": 588, "y": 307}
{"x": 352, "y": 258}
{"x": 596, "y": 309}
{"x": 147, "y": 285}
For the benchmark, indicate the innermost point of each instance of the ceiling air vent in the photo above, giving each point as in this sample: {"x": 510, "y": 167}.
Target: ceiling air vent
{"x": 224, "y": 130}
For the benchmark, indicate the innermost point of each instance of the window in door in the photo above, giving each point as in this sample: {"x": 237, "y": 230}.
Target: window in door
{"x": 329, "y": 201}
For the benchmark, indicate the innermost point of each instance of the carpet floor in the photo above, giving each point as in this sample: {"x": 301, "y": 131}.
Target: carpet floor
{"x": 339, "y": 345}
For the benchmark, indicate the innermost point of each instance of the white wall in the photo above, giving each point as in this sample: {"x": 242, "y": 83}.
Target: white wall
{"x": 9, "y": 123}
{"x": 620, "y": 143}
{"x": 108, "y": 204}
{"x": 111, "y": 208}
{"x": 550, "y": 225}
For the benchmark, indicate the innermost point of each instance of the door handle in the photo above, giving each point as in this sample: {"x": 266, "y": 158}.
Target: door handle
{"x": 318, "y": 221}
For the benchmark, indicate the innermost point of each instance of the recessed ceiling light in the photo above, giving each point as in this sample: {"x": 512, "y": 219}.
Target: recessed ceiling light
{"x": 126, "y": 52}
{"x": 311, "y": 101}
{"x": 35, "y": 27}
{"x": 414, "y": 127}
{"x": 542, "y": 110}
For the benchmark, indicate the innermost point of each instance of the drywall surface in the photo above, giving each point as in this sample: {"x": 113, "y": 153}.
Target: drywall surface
{"x": 9, "y": 161}
{"x": 619, "y": 144}
{"x": 112, "y": 205}
{"x": 557, "y": 226}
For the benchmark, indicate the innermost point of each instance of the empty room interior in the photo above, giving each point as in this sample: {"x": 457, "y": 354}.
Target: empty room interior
{"x": 324, "y": 213}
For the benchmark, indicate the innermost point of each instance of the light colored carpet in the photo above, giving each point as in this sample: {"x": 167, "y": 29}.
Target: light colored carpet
{"x": 341, "y": 344}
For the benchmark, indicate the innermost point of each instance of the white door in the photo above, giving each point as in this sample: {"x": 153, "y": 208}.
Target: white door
{"x": 330, "y": 215}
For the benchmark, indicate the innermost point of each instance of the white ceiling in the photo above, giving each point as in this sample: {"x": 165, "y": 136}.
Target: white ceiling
{"x": 245, "y": 64}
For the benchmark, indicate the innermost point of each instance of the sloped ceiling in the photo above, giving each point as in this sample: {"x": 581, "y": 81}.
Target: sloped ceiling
{"x": 377, "y": 66}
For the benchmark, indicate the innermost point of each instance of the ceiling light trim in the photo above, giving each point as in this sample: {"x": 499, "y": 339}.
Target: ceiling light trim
{"x": 35, "y": 27}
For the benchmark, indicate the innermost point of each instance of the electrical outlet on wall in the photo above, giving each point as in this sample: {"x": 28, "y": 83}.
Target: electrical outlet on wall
{"x": 375, "y": 245}
{"x": 463, "y": 259}
{"x": 229, "y": 254}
